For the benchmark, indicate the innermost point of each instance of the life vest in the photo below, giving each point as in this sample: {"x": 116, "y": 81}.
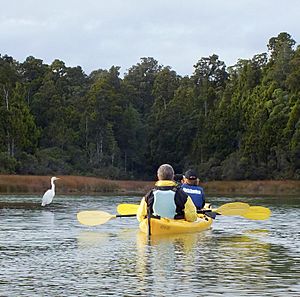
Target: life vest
{"x": 166, "y": 200}
{"x": 164, "y": 203}
{"x": 196, "y": 193}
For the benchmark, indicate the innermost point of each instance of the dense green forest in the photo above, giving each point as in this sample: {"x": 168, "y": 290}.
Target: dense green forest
{"x": 229, "y": 123}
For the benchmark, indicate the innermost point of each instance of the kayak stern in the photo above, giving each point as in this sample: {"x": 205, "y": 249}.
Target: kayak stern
{"x": 169, "y": 226}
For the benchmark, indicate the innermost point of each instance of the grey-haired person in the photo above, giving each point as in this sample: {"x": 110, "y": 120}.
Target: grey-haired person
{"x": 166, "y": 199}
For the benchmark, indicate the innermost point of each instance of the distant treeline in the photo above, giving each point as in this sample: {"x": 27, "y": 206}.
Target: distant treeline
{"x": 233, "y": 123}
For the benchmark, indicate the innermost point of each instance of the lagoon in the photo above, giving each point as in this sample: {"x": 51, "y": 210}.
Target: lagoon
{"x": 46, "y": 252}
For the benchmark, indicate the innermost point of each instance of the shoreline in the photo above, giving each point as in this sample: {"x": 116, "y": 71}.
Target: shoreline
{"x": 32, "y": 184}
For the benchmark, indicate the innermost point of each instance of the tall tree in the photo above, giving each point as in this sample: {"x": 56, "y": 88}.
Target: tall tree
{"x": 102, "y": 113}
{"x": 32, "y": 72}
{"x": 281, "y": 53}
{"x": 141, "y": 77}
{"x": 210, "y": 77}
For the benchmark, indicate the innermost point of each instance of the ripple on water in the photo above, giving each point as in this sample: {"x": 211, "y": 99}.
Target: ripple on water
{"x": 47, "y": 253}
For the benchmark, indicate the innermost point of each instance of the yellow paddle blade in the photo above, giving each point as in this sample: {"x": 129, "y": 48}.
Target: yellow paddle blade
{"x": 94, "y": 217}
{"x": 125, "y": 209}
{"x": 257, "y": 213}
{"x": 233, "y": 209}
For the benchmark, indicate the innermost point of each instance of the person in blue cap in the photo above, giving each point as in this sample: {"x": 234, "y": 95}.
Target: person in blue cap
{"x": 191, "y": 187}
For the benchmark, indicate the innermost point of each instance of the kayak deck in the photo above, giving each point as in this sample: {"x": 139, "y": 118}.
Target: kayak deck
{"x": 169, "y": 226}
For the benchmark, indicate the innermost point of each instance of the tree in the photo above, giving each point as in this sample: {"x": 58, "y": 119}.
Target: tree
{"x": 101, "y": 114}
{"x": 281, "y": 53}
{"x": 210, "y": 77}
{"x": 22, "y": 133}
{"x": 293, "y": 77}
{"x": 164, "y": 87}
{"x": 32, "y": 72}
{"x": 142, "y": 77}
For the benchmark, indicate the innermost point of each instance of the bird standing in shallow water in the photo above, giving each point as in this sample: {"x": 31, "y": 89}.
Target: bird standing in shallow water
{"x": 49, "y": 194}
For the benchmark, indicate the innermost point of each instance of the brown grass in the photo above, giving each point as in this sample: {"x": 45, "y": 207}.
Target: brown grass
{"x": 20, "y": 184}
{"x": 10, "y": 184}
{"x": 263, "y": 187}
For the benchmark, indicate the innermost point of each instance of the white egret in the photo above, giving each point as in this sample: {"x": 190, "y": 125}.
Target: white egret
{"x": 49, "y": 194}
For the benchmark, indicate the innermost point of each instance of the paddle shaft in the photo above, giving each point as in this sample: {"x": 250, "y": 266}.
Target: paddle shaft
{"x": 149, "y": 222}
{"x": 124, "y": 216}
{"x": 209, "y": 213}
{"x": 228, "y": 209}
{"x": 98, "y": 217}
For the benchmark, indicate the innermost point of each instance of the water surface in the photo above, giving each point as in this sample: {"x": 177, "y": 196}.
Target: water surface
{"x": 46, "y": 252}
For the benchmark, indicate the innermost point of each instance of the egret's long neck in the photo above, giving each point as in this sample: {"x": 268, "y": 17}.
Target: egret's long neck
{"x": 52, "y": 185}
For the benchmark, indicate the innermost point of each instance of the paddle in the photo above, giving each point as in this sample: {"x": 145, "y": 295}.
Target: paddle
{"x": 126, "y": 208}
{"x": 97, "y": 217}
{"x": 232, "y": 209}
{"x": 228, "y": 209}
{"x": 257, "y": 213}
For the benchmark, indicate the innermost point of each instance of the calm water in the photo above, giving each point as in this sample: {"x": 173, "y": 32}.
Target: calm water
{"x": 46, "y": 252}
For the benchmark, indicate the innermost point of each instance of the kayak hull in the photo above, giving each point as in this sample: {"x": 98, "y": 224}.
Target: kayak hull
{"x": 169, "y": 226}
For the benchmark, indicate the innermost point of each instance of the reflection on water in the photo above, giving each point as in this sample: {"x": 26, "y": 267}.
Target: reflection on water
{"x": 87, "y": 239}
{"x": 46, "y": 252}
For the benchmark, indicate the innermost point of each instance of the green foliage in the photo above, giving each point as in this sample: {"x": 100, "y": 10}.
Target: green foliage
{"x": 53, "y": 160}
{"x": 8, "y": 164}
{"x": 240, "y": 122}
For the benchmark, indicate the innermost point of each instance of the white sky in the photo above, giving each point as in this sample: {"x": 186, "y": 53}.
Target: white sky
{"x": 97, "y": 34}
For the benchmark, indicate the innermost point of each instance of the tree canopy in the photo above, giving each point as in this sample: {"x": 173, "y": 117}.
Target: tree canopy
{"x": 236, "y": 122}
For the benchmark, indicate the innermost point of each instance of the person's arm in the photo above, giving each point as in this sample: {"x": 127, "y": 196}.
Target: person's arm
{"x": 190, "y": 212}
{"x": 142, "y": 210}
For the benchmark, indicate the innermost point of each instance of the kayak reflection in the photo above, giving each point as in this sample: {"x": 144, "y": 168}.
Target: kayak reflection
{"x": 219, "y": 256}
{"x": 184, "y": 242}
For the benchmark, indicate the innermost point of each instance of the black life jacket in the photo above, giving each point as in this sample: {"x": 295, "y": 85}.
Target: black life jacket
{"x": 168, "y": 192}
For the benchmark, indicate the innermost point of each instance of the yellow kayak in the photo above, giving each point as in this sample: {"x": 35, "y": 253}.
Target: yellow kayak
{"x": 169, "y": 226}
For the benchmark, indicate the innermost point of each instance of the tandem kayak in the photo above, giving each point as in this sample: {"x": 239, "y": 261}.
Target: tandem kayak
{"x": 169, "y": 226}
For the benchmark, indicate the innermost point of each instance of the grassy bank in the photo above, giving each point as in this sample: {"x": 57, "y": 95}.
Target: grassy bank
{"x": 20, "y": 184}
{"x": 264, "y": 187}
{"x": 29, "y": 184}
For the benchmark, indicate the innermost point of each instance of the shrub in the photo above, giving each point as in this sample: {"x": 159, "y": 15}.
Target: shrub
{"x": 8, "y": 164}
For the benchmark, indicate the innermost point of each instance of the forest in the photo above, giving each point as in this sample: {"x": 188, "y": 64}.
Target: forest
{"x": 240, "y": 122}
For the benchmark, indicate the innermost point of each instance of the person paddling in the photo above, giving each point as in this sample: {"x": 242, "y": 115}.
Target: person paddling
{"x": 167, "y": 200}
{"x": 191, "y": 187}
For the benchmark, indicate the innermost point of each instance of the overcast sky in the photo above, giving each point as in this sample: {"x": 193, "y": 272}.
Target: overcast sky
{"x": 97, "y": 34}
